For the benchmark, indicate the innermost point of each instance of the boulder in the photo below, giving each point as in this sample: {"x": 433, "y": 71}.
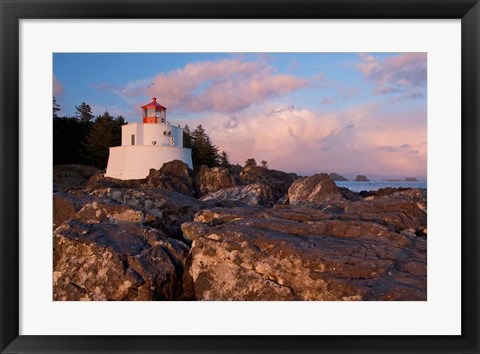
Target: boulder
{"x": 349, "y": 194}
{"x": 66, "y": 206}
{"x": 213, "y": 179}
{"x": 174, "y": 176}
{"x": 118, "y": 262}
{"x": 256, "y": 194}
{"x": 298, "y": 253}
{"x": 278, "y": 181}
{"x": 313, "y": 190}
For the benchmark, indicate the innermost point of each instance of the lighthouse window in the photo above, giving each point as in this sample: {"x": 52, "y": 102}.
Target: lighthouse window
{"x": 157, "y": 114}
{"x": 151, "y": 112}
{"x": 133, "y": 139}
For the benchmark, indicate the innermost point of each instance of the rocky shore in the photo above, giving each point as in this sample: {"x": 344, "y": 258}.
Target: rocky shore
{"x": 256, "y": 235}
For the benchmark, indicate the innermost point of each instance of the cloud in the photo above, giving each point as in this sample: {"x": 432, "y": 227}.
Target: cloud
{"x": 293, "y": 66}
{"x": 404, "y": 74}
{"x": 227, "y": 85}
{"x": 359, "y": 140}
{"x": 347, "y": 92}
{"x": 57, "y": 87}
{"x": 328, "y": 100}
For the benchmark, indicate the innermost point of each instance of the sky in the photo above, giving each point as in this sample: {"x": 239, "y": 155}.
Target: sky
{"x": 350, "y": 113}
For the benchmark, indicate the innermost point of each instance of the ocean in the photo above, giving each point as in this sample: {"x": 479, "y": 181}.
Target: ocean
{"x": 375, "y": 185}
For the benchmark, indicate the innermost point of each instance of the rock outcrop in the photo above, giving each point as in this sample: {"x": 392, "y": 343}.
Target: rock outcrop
{"x": 171, "y": 208}
{"x": 256, "y": 194}
{"x": 66, "y": 206}
{"x": 125, "y": 261}
{"x": 396, "y": 214}
{"x": 98, "y": 181}
{"x": 174, "y": 176}
{"x": 313, "y": 190}
{"x": 302, "y": 254}
{"x": 278, "y": 181}
{"x": 213, "y": 179}
{"x": 278, "y": 238}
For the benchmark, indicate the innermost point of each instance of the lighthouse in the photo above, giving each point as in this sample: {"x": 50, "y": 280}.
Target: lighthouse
{"x": 147, "y": 145}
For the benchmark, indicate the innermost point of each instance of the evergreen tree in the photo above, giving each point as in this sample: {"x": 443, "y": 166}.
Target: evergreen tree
{"x": 105, "y": 132}
{"x": 224, "y": 160}
{"x": 84, "y": 113}
{"x": 56, "y": 107}
{"x": 250, "y": 162}
{"x": 264, "y": 164}
{"x": 203, "y": 151}
{"x": 187, "y": 137}
{"x": 119, "y": 120}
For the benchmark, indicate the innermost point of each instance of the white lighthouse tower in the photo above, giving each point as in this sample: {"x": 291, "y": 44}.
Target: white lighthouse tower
{"x": 147, "y": 145}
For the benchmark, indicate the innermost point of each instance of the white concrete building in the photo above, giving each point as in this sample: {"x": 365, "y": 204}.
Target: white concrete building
{"x": 147, "y": 145}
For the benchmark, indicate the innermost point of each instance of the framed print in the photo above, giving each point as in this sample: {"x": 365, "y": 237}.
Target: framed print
{"x": 239, "y": 177}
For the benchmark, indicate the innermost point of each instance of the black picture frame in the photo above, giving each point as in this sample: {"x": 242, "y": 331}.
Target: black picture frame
{"x": 12, "y": 11}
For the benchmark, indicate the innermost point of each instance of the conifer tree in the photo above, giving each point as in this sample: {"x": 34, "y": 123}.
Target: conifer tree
{"x": 250, "y": 162}
{"x": 84, "y": 113}
{"x": 203, "y": 151}
{"x": 56, "y": 107}
{"x": 105, "y": 132}
{"x": 224, "y": 159}
{"x": 187, "y": 137}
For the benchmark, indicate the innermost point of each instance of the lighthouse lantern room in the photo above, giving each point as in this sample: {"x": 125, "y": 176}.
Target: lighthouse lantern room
{"x": 154, "y": 112}
{"x": 147, "y": 145}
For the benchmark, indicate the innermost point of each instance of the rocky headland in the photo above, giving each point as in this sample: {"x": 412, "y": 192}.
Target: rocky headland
{"x": 258, "y": 234}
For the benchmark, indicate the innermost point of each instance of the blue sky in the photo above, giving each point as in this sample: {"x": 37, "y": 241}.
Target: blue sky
{"x": 350, "y": 113}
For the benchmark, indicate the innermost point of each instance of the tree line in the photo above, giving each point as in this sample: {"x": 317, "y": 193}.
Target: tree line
{"x": 84, "y": 139}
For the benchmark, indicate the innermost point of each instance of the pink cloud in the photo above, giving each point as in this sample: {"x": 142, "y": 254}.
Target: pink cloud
{"x": 404, "y": 74}
{"x": 228, "y": 85}
{"x": 359, "y": 140}
{"x": 57, "y": 87}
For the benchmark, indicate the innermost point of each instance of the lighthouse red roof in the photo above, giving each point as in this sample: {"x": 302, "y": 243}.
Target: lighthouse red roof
{"x": 154, "y": 104}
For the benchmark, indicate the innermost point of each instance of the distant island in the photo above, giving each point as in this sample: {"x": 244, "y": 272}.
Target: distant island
{"x": 408, "y": 179}
{"x": 362, "y": 178}
{"x": 337, "y": 177}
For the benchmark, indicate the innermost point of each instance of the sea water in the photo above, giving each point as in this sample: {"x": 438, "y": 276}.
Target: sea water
{"x": 375, "y": 185}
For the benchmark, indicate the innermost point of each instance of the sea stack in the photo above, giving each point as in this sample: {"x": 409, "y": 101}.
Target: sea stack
{"x": 362, "y": 178}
